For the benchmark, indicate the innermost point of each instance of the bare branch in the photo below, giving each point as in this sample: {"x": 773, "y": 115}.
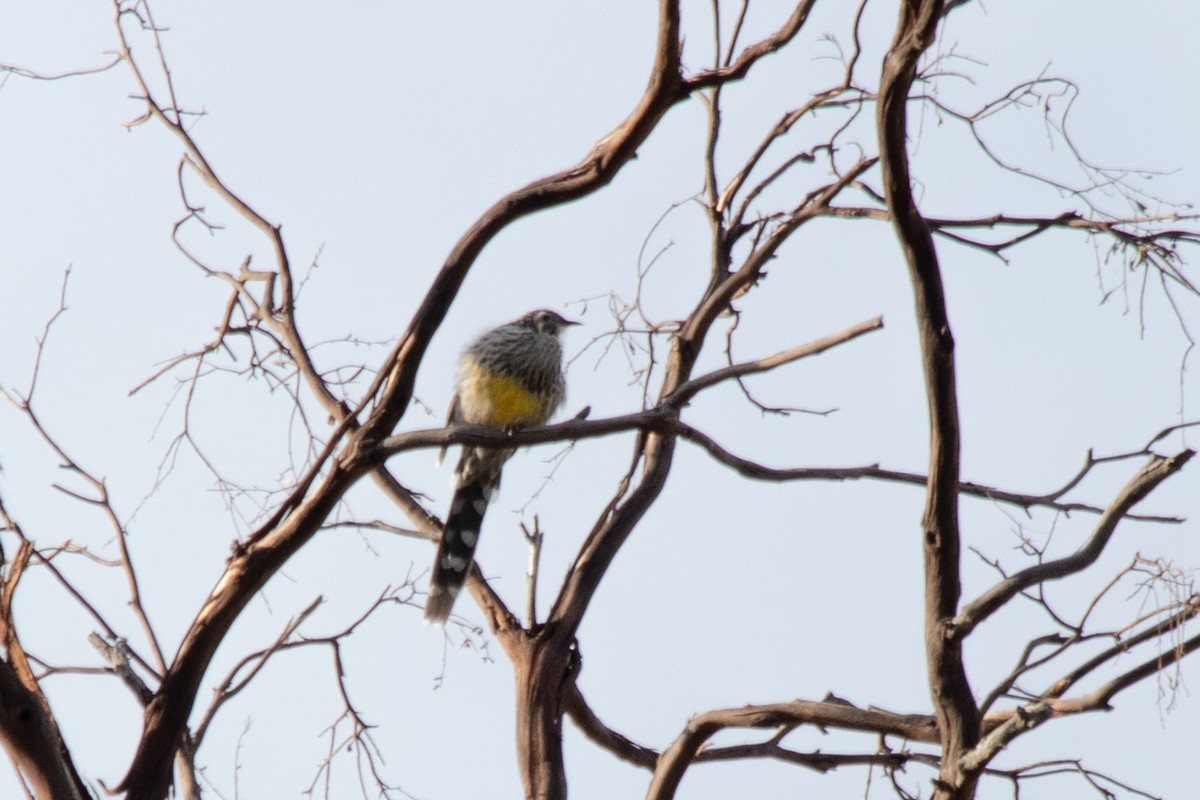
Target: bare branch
{"x": 232, "y": 684}
{"x": 259, "y": 329}
{"x": 664, "y": 421}
{"x": 1142, "y": 233}
{"x": 1099, "y": 699}
{"x": 592, "y": 727}
{"x": 954, "y": 704}
{"x": 100, "y": 498}
{"x": 117, "y": 655}
{"x": 675, "y": 760}
{"x": 1024, "y": 719}
{"x": 752, "y": 53}
{"x": 283, "y": 318}
{"x": 533, "y": 537}
{"x": 25, "y": 72}
{"x": 1139, "y": 486}
{"x": 101, "y": 501}
{"x": 691, "y": 388}
{"x": 28, "y": 731}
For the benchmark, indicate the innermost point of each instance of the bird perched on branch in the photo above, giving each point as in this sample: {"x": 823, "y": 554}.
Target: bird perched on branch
{"x": 511, "y": 377}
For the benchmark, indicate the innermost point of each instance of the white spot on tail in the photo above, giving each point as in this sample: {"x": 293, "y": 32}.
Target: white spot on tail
{"x": 480, "y": 506}
{"x": 469, "y": 537}
{"x": 453, "y": 563}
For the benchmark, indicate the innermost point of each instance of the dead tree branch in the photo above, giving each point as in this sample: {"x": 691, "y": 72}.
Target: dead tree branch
{"x": 1139, "y": 486}
{"x": 28, "y": 730}
{"x": 954, "y": 704}
{"x": 684, "y": 750}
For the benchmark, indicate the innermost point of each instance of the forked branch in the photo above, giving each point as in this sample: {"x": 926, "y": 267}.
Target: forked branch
{"x": 1157, "y": 470}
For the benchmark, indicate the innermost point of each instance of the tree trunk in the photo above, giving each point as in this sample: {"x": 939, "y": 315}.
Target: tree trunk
{"x": 950, "y": 691}
{"x": 543, "y": 663}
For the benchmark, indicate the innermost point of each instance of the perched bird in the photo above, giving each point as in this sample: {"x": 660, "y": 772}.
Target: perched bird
{"x": 511, "y": 377}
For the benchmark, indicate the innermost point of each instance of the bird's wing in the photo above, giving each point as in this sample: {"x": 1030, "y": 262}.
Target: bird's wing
{"x": 452, "y": 417}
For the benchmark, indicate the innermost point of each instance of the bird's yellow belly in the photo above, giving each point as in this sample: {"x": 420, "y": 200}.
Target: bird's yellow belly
{"x": 500, "y": 402}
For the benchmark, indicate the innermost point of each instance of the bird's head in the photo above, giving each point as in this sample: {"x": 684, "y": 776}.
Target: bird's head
{"x": 545, "y": 321}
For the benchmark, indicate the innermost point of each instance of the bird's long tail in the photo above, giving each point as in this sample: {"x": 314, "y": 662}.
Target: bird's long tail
{"x": 456, "y": 551}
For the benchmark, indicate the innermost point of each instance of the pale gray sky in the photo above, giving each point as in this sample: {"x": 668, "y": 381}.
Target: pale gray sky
{"x": 376, "y": 133}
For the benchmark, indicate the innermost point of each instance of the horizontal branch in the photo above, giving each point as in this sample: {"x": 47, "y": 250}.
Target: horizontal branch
{"x": 819, "y": 761}
{"x": 34, "y": 75}
{"x": 667, "y": 421}
{"x": 647, "y": 758}
{"x": 1032, "y": 226}
{"x": 654, "y": 419}
{"x": 675, "y": 760}
{"x": 998, "y": 728}
{"x": 659, "y": 419}
{"x": 751, "y": 469}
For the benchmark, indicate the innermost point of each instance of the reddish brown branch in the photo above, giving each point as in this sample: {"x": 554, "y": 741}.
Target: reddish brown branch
{"x": 1139, "y": 486}
{"x": 543, "y": 661}
{"x": 686, "y": 747}
{"x": 28, "y": 730}
{"x": 752, "y": 53}
{"x": 304, "y": 512}
{"x": 594, "y": 728}
{"x": 665, "y": 88}
{"x": 958, "y": 716}
{"x": 149, "y": 775}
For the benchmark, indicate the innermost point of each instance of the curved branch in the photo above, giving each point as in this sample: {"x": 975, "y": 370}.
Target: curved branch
{"x": 752, "y": 53}
{"x": 665, "y": 88}
{"x": 594, "y": 728}
{"x": 248, "y": 570}
{"x": 1157, "y": 470}
{"x": 684, "y": 750}
{"x": 307, "y": 508}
